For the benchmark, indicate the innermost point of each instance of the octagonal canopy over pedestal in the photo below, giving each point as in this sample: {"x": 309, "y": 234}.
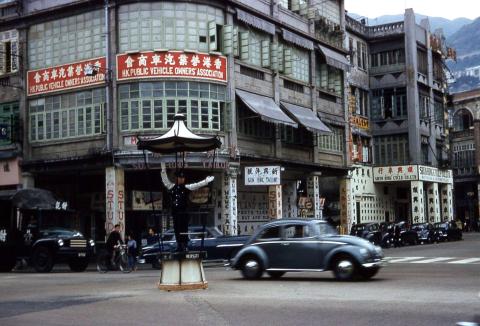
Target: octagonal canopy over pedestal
{"x": 178, "y": 139}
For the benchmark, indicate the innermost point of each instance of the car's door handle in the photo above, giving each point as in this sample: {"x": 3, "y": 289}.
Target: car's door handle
{"x": 285, "y": 244}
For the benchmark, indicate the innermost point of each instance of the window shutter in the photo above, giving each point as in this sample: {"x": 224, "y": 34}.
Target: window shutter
{"x": 288, "y": 61}
{"x": 212, "y": 36}
{"x": 14, "y": 56}
{"x": 228, "y": 39}
{"x": 281, "y": 66}
{"x": 338, "y": 82}
{"x": 244, "y": 46}
{"x": 2, "y": 58}
{"x": 323, "y": 76}
{"x": 236, "y": 52}
{"x": 295, "y": 5}
{"x": 266, "y": 53}
{"x": 382, "y": 106}
{"x": 274, "y": 56}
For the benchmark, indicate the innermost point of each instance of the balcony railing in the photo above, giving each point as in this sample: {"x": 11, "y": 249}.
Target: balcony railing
{"x": 387, "y": 69}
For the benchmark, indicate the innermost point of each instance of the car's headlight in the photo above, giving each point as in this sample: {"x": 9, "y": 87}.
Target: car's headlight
{"x": 363, "y": 252}
{"x": 378, "y": 250}
{"x": 60, "y": 242}
{"x": 92, "y": 243}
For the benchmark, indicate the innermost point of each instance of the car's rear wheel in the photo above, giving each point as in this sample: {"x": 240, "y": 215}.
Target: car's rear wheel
{"x": 42, "y": 260}
{"x": 78, "y": 264}
{"x": 275, "y": 274}
{"x": 251, "y": 268}
{"x": 368, "y": 273}
{"x": 344, "y": 268}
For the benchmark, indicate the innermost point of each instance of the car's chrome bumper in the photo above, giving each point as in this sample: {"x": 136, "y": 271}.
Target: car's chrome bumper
{"x": 377, "y": 263}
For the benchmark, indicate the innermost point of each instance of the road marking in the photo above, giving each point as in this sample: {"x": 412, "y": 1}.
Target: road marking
{"x": 465, "y": 261}
{"x": 402, "y": 260}
{"x": 432, "y": 260}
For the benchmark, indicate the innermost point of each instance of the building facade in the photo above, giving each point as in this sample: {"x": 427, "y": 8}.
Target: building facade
{"x": 398, "y": 127}
{"x": 266, "y": 77}
{"x": 464, "y": 140}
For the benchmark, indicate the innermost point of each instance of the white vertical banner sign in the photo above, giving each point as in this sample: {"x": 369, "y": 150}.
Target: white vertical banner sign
{"x": 447, "y": 206}
{"x": 346, "y": 218}
{"x": 418, "y": 206}
{"x": 115, "y": 199}
{"x": 316, "y": 198}
{"x": 275, "y": 202}
{"x": 233, "y": 230}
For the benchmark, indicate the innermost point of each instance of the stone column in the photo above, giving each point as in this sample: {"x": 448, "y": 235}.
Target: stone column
{"x": 447, "y": 202}
{"x": 229, "y": 224}
{"x": 28, "y": 180}
{"x": 275, "y": 202}
{"x": 346, "y": 202}
{"x": 433, "y": 203}
{"x": 418, "y": 206}
{"x": 314, "y": 194}
{"x": 115, "y": 199}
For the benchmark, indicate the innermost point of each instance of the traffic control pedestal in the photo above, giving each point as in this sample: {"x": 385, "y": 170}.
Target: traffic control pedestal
{"x": 182, "y": 271}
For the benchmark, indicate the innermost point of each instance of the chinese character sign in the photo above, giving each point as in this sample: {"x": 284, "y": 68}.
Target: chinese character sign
{"x": 262, "y": 175}
{"x": 171, "y": 64}
{"x": 67, "y": 76}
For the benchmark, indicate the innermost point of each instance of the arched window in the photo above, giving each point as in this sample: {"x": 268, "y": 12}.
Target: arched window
{"x": 462, "y": 120}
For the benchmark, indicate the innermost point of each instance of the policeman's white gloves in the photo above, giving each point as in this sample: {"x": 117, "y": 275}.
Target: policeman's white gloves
{"x": 169, "y": 185}
{"x": 198, "y": 185}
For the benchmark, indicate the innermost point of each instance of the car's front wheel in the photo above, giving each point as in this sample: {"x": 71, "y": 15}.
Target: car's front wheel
{"x": 42, "y": 260}
{"x": 344, "y": 268}
{"x": 251, "y": 268}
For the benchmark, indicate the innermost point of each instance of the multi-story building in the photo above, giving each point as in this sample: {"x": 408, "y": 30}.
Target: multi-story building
{"x": 398, "y": 124}
{"x": 464, "y": 140}
{"x": 267, "y": 77}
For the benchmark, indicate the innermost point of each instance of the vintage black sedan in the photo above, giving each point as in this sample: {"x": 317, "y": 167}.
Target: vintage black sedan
{"x": 368, "y": 231}
{"x": 216, "y": 245}
{"x": 426, "y": 232}
{"x": 447, "y": 231}
{"x": 306, "y": 245}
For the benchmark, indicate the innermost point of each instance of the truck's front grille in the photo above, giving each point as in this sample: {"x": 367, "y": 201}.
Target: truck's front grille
{"x": 78, "y": 243}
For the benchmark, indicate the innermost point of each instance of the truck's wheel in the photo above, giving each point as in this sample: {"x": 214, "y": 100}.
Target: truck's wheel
{"x": 42, "y": 260}
{"x": 8, "y": 262}
{"x": 78, "y": 264}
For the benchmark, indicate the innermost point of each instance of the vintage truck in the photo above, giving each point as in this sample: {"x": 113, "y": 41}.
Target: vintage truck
{"x": 217, "y": 246}
{"x": 34, "y": 229}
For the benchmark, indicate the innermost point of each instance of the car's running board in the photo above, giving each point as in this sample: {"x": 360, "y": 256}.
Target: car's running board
{"x": 293, "y": 270}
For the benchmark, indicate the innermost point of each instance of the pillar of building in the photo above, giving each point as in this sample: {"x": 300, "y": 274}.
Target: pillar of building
{"x": 346, "y": 202}
{"x": 315, "y": 193}
{"x": 447, "y": 202}
{"x": 433, "y": 203}
{"x": 229, "y": 222}
{"x": 28, "y": 180}
{"x": 275, "y": 202}
{"x": 418, "y": 206}
{"x": 115, "y": 199}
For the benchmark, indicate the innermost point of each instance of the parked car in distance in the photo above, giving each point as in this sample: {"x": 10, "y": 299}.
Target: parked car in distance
{"x": 425, "y": 232}
{"x": 368, "y": 231}
{"x": 217, "y": 245}
{"x": 407, "y": 235}
{"x": 447, "y": 231}
{"x": 300, "y": 245}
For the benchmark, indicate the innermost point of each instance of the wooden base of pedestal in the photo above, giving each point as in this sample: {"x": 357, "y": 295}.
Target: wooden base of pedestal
{"x": 182, "y": 273}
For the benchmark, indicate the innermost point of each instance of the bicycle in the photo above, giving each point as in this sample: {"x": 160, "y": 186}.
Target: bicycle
{"x": 120, "y": 262}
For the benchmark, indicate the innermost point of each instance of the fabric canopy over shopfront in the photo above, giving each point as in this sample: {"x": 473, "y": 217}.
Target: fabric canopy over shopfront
{"x": 34, "y": 198}
{"x": 331, "y": 118}
{"x": 266, "y": 108}
{"x": 307, "y": 118}
{"x": 179, "y": 139}
{"x": 334, "y": 59}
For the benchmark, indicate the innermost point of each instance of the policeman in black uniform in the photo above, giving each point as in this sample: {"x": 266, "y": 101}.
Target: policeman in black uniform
{"x": 179, "y": 196}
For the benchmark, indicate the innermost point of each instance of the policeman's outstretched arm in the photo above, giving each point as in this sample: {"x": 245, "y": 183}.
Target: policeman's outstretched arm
{"x": 198, "y": 185}
{"x": 169, "y": 185}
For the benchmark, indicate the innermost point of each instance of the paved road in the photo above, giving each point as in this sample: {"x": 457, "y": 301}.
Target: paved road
{"x": 432, "y": 292}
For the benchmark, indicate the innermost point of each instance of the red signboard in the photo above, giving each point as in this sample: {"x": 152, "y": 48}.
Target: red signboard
{"x": 180, "y": 64}
{"x": 67, "y": 76}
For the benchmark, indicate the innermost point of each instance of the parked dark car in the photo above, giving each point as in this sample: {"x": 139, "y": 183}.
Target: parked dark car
{"x": 306, "y": 245}
{"x": 407, "y": 235}
{"x": 36, "y": 228}
{"x": 425, "y": 232}
{"x": 448, "y": 231}
{"x": 216, "y": 245}
{"x": 368, "y": 231}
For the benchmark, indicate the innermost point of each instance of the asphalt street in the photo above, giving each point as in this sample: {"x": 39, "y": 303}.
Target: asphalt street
{"x": 435, "y": 284}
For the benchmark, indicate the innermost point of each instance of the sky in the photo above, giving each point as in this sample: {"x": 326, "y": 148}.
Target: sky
{"x": 434, "y": 8}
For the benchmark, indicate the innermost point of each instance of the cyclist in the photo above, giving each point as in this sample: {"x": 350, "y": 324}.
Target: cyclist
{"x": 113, "y": 239}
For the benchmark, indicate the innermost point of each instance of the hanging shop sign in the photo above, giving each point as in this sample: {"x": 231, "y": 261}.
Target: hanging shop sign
{"x": 153, "y": 64}
{"x": 142, "y": 200}
{"x": 275, "y": 202}
{"x": 431, "y": 174}
{"x": 66, "y": 76}
{"x": 360, "y": 122}
{"x": 262, "y": 175}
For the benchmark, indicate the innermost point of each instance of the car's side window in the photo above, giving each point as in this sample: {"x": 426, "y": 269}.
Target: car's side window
{"x": 297, "y": 231}
{"x": 269, "y": 234}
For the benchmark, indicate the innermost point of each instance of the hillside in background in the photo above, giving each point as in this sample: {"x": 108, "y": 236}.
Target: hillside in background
{"x": 449, "y": 26}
